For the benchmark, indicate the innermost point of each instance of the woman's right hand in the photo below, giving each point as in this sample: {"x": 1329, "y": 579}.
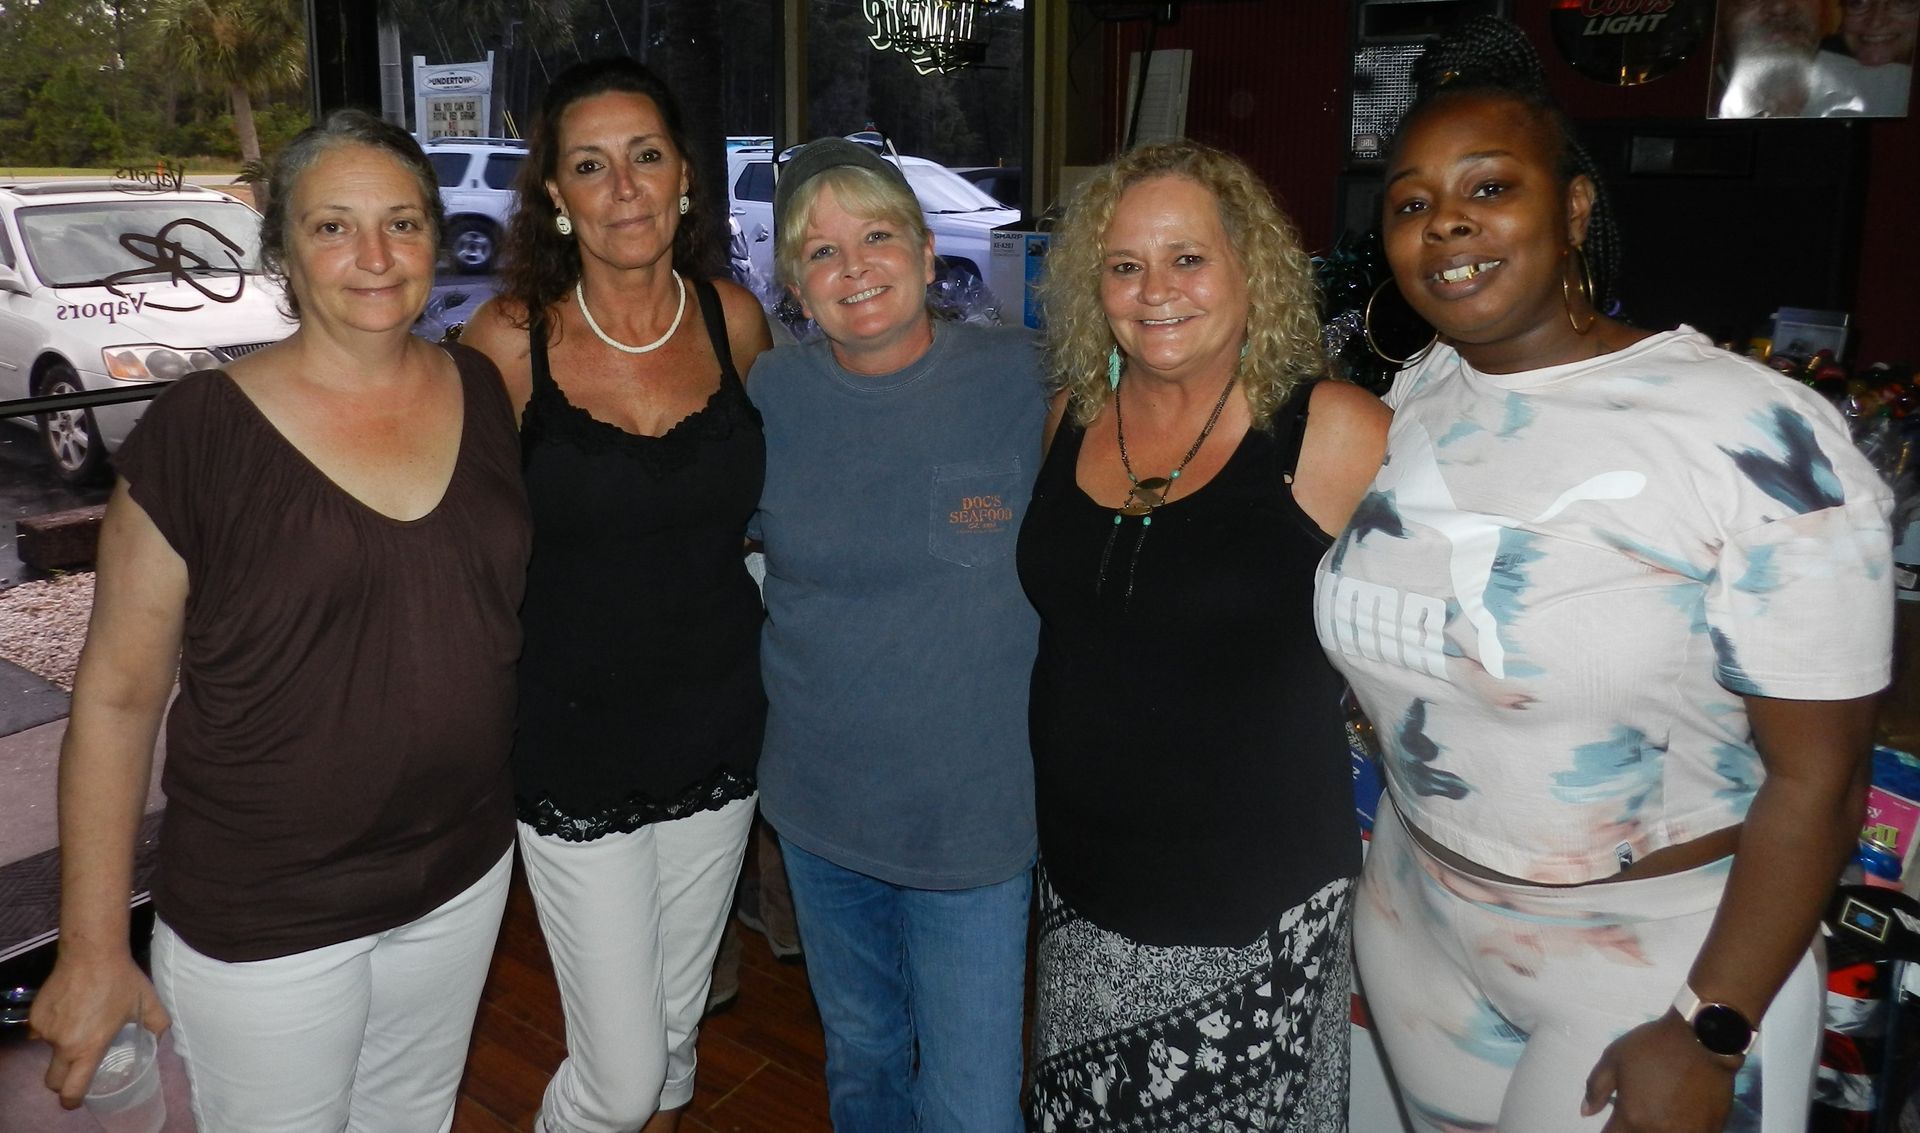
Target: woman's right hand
{"x": 84, "y": 1004}
{"x": 106, "y": 761}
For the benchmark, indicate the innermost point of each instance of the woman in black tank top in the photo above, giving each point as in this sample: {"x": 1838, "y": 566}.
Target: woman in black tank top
{"x": 1192, "y": 777}
{"x": 641, "y": 710}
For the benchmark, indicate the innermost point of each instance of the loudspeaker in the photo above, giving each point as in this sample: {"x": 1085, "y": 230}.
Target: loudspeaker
{"x": 1388, "y": 36}
{"x": 1356, "y": 202}
{"x": 1774, "y": 206}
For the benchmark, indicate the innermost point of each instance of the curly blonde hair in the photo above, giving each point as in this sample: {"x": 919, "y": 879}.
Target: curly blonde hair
{"x": 1283, "y": 318}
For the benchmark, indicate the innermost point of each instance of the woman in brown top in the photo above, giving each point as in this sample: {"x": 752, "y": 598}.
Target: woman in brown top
{"x": 329, "y": 540}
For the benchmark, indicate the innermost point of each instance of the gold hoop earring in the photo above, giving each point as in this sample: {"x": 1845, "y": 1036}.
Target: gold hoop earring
{"x": 1586, "y": 284}
{"x": 1366, "y": 327}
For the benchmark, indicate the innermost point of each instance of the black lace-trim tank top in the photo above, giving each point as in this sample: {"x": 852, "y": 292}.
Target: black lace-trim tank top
{"x": 1191, "y": 769}
{"x": 640, "y": 695}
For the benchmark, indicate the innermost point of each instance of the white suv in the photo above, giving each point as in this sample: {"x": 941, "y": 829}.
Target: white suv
{"x": 105, "y": 282}
{"x": 476, "y": 186}
{"x": 959, "y": 215}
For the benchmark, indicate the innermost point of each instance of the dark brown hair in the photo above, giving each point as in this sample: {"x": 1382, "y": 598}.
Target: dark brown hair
{"x": 540, "y": 265}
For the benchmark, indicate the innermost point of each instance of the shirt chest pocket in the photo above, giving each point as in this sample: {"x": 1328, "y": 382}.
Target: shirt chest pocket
{"x": 974, "y": 509}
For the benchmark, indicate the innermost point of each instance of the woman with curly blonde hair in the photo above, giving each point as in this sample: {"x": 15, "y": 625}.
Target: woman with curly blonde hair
{"x": 1283, "y": 342}
{"x": 1197, "y": 839}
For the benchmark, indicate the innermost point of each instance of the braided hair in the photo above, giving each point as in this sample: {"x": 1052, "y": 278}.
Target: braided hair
{"x": 1489, "y": 56}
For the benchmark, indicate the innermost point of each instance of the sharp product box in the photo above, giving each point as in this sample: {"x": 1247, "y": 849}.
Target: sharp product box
{"x": 1019, "y": 256}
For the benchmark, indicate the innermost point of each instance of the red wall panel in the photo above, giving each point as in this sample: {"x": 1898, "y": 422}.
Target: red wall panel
{"x": 1269, "y": 77}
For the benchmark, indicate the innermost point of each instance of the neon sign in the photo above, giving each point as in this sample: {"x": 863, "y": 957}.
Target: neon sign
{"x": 938, "y": 35}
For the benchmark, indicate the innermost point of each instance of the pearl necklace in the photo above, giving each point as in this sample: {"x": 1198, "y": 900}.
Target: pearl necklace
{"x": 580, "y": 297}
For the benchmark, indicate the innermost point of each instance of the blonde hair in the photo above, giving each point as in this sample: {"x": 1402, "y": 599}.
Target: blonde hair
{"x": 862, "y": 192}
{"x": 1283, "y": 318}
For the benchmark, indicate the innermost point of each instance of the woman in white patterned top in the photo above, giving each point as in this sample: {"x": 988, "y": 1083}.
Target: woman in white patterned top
{"x": 1619, "y": 605}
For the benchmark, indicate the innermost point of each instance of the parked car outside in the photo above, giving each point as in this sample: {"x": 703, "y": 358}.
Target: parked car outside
{"x": 1001, "y": 182}
{"x": 960, "y": 216}
{"x": 104, "y": 284}
{"x": 476, "y": 186}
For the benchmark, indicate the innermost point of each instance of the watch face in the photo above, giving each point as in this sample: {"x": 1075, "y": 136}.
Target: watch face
{"x": 1722, "y": 1030}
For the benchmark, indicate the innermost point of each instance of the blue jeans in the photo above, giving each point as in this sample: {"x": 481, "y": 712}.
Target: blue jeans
{"x": 897, "y": 973}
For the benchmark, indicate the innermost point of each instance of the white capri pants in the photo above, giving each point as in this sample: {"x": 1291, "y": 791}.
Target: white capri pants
{"x": 368, "y": 1035}
{"x": 1495, "y": 999}
{"x": 632, "y": 922}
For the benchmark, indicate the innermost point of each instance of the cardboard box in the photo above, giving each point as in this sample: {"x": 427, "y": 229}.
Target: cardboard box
{"x": 1019, "y": 257}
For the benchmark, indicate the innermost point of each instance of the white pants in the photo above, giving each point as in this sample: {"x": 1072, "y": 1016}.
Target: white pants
{"x": 367, "y": 1035}
{"x": 1494, "y": 999}
{"x": 632, "y": 922}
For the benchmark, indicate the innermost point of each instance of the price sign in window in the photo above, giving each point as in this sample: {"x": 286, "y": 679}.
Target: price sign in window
{"x": 452, "y": 100}
{"x": 453, "y": 118}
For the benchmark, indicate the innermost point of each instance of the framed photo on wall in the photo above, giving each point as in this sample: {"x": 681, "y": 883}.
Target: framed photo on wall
{"x": 1813, "y": 58}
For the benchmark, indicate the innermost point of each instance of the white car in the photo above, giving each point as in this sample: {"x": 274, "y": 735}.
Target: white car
{"x": 476, "y": 186}
{"x": 105, "y": 284}
{"x": 959, "y": 215}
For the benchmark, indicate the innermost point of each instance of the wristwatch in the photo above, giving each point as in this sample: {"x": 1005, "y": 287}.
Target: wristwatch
{"x": 1720, "y": 1028}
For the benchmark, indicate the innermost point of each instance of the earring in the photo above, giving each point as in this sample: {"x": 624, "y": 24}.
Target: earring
{"x": 564, "y": 224}
{"x": 684, "y": 203}
{"x": 1366, "y": 325}
{"x": 1586, "y": 283}
{"x": 1114, "y": 365}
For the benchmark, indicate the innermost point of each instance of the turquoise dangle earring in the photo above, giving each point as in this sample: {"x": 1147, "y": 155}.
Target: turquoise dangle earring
{"x": 1114, "y": 365}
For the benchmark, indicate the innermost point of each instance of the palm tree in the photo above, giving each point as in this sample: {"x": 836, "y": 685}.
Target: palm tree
{"x": 241, "y": 47}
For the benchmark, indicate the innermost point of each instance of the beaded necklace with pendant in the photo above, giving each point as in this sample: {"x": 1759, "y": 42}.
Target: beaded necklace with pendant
{"x": 1146, "y": 495}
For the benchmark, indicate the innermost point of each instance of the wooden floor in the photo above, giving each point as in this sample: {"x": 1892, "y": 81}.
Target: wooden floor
{"x": 760, "y": 1062}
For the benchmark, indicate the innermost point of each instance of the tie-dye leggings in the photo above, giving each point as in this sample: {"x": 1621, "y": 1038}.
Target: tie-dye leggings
{"x": 1495, "y": 999}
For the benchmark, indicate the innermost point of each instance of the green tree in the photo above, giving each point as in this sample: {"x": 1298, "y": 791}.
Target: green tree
{"x": 426, "y": 24}
{"x": 36, "y": 41}
{"x": 237, "y": 47}
{"x": 839, "y": 59}
{"x": 68, "y": 122}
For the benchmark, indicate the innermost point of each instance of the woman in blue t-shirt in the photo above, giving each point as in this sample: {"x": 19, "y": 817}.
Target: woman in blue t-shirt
{"x": 900, "y": 455}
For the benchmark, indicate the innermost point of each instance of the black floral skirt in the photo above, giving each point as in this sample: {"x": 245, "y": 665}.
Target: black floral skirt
{"x": 1134, "y": 1037}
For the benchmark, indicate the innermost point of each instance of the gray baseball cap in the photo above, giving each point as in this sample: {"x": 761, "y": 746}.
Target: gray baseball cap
{"x": 819, "y": 156}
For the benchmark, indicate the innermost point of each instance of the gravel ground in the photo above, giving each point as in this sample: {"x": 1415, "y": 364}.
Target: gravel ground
{"x": 43, "y": 624}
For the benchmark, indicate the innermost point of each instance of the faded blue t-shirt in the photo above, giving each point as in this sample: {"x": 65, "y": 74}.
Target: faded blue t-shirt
{"x": 898, "y": 643}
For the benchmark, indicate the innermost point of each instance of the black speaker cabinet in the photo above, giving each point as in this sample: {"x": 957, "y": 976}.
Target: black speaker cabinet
{"x": 1724, "y": 221}
{"x": 1388, "y": 35}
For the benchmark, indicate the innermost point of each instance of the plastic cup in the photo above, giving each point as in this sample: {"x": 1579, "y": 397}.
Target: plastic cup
{"x": 125, "y": 1096}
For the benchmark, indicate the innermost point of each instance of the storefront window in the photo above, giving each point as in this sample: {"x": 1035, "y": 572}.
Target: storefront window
{"x": 199, "y": 89}
{"x": 467, "y": 77}
{"x": 965, "y": 117}
{"x": 948, "y": 95}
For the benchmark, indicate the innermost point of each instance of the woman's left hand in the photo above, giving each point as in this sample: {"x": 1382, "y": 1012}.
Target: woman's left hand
{"x": 1661, "y": 1080}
